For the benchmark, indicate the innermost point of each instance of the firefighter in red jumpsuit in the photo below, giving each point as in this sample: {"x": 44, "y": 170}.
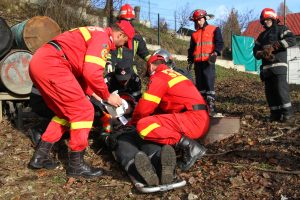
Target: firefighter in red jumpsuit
{"x": 65, "y": 70}
{"x": 172, "y": 111}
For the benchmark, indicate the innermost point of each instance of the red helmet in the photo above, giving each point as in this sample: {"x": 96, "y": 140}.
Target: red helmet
{"x": 268, "y": 13}
{"x": 126, "y": 12}
{"x": 198, "y": 14}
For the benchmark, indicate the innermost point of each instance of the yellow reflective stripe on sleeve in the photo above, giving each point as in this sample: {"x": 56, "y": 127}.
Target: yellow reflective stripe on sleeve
{"x": 176, "y": 80}
{"x": 152, "y": 98}
{"x": 82, "y": 124}
{"x": 96, "y": 60}
{"x": 85, "y": 33}
{"x": 148, "y": 129}
{"x": 120, "y": 53}
{"x": 135, "y": 47}
{"x": 108, "y": 56}
{"x": 60, "y": 121}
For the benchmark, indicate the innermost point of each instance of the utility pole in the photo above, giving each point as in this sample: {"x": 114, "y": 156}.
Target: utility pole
{"x": 284, "y": 12}
{"x": 149, "y": 10}
{"x": 158, "y": 29}
{"x": 175, "y": 20}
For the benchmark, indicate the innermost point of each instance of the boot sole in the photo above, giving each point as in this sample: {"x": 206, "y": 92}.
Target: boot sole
{"x": 85, "y": 176}
{"x": 33, "y": 166}
{"x": 168, "y": 164}
{"x": 145, "y": 169}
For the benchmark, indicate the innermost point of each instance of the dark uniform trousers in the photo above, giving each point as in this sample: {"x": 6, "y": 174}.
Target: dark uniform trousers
{"x": 205, "y": 78}
{"x": 277, "y": 91}
{"x": 129, "y": 143}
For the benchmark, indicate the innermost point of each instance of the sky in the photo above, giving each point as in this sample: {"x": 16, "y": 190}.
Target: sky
{"x": 220, "y": 8}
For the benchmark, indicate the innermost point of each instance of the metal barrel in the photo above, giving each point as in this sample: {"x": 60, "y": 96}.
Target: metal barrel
{"x": 14, "y": 72}
{"x": 6, "y": 38}
{"x": 31, "y": 34}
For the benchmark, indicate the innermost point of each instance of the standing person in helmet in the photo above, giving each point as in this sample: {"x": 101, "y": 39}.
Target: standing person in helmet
{"x": 64, "y": 71}
{"x": 172, "y": 111}
{"x": 271, "y": 46}
{"x": 205, "y": 45}
{"x": 123, "y": 57}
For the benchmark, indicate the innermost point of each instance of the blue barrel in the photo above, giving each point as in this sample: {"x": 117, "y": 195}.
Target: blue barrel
{"x": 6, "y": 38}
{"x": 17, "y": 31}
{"x": 31, "y": 34}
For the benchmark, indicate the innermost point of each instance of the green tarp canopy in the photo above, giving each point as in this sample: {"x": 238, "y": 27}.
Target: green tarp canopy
{"x": 242, "y": 52}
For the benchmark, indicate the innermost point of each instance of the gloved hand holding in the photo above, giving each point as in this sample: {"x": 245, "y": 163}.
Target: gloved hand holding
{"x": 268, "y": 53}
{"x": 213, "y": 57}
{"x": 108, "y": 67}
{"x": 276, "y": 45}
{"x": 260, "y": 54}
{"x": 190, "y": 65}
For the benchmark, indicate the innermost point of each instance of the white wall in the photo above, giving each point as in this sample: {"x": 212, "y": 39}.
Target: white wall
{"x": 293, "y": 57}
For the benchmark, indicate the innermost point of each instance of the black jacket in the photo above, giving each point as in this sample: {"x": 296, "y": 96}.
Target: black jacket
{"x": 124, "y": 57}
{"x": 276, "y": 33}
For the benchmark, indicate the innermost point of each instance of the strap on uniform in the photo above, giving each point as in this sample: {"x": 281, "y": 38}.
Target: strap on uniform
{"x": 57, "y": 46}
{"x": 199, "y": 107}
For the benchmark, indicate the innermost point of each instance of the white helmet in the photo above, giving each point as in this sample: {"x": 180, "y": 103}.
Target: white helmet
{"x": 166, "y": 55}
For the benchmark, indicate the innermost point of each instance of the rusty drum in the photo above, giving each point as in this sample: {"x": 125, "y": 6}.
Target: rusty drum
{"x": 33, "y": 33}
{"x": 14, "y": 72}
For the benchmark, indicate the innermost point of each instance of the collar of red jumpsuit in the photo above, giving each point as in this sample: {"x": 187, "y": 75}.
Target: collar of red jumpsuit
{"x": 128, "y": 29}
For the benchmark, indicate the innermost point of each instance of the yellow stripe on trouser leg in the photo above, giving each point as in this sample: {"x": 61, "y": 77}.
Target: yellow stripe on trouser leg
{"x": 82, "y": 124}
{"x": 60, "y": 121}
{"x": 148, "y": 129}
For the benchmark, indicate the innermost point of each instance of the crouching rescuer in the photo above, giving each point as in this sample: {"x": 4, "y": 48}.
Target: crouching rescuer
{"x": 65, "y": 70}
{"x": 172, "y": 112}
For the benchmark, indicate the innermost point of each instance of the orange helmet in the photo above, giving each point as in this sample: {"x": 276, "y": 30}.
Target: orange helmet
{"x": 268, "y": 13}
{"x": 126, "y": 12}
{"x": 197, "y": 14}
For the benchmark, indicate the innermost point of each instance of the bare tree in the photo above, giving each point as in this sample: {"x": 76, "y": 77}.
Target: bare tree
{"x": 109, "y": 7}
{"x": 183, "y": 15}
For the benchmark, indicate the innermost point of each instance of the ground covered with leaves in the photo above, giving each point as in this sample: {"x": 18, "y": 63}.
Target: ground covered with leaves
{"x": 262, "y": 161}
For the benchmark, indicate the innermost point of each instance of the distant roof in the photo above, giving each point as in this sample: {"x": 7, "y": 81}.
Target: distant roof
{"x": 185, "y": 31}
{"x": 292, "y": 21}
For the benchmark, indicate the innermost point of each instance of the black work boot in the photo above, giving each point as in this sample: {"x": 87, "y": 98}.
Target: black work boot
{"x": 78, "y": 168}
{"x": 168, "y": 164}
{"x": 192, "y": 151}
{"x": 145, "y": 168}
{"x": 41, "y": 157}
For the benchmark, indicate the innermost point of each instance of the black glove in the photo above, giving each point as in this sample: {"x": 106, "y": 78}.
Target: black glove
{"x": 212, "y": 57}
{"x": 189, "y": 67}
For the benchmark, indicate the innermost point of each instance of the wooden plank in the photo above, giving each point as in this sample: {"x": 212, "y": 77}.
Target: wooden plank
{"x": 9, "y": 96}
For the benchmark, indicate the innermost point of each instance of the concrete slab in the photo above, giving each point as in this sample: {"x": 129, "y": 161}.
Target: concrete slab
{"x": 221, "y": 128}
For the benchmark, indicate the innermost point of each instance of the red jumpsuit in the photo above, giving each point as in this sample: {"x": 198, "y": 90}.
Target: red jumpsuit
{"x": 65, "y": 81}
{"x": 165, "y": 113}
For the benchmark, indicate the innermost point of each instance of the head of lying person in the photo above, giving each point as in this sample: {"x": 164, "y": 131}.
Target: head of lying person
{"x": 123, "y": 74}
